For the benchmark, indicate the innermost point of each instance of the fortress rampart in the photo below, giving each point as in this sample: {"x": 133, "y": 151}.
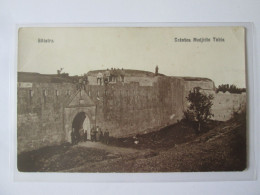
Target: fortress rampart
{"x": 48, "y": 105}
{"x": 40, "y": 113}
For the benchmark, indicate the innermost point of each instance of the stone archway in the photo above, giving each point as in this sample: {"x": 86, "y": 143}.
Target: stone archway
{"x": 81, "y": 125}
{"x": 79, "y": 117}
{"x": 79, "y": 109}
{"x": 77, "y": 126}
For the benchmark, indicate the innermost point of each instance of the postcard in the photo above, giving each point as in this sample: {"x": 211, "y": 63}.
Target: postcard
{"x": 131, "y": 99}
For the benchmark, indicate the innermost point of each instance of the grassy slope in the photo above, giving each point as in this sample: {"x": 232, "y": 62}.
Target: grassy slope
{"x": 221, "y": 149}
{"x": 172, "y": 149}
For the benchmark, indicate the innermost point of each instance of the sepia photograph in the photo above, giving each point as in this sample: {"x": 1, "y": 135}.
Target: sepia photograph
{"x": 131, "y": 99}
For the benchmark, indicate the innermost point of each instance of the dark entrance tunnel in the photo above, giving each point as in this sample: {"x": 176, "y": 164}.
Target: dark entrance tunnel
{"x": 81, "y": 125}
{"x": 78, "y": 121}
{"x": 77, "y": 124}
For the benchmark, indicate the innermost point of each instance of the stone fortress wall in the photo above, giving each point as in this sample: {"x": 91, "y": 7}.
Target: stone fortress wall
{"x": 129, "y": 108}
{"x": 141, "y": 104}
{"x": 40, "y": 113}
{"x": 224, "y": 104}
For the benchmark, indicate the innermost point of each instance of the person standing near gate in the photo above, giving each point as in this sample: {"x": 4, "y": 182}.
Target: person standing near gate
{"x": 72, "y": 135}
{"x": 106, "y": 137}
{"x": 85, "y": 135}
{"x": 81, "y": 135}
{"x": 93, "y": 134}
{"x": 97, "y": 134}
{"x": 101, "y": 136}
{"x": 76, "y": 136}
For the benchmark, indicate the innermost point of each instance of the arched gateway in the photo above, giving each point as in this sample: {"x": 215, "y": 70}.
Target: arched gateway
{"x": 80, "y": 113}
{"x": 81, "y": 124}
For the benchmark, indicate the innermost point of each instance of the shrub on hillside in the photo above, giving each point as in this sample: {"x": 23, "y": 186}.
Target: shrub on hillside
{"x": 199, "y": 109}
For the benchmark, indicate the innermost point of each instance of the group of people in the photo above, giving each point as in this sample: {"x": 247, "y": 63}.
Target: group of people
{"x": 82, "y": 82}
{"x": 113, "y": 75}
{"x": 78, "y": 136}
{"x": 109, "y": 75}
{"x": 96, "y": 134}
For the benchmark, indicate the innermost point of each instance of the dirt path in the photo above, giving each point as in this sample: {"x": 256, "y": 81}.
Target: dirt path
{"x": 116, "y": 155}
{"x": 111, "y": 149}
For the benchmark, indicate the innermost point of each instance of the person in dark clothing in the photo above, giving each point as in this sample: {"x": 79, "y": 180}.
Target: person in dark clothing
{"x": 112, "y": 75}
{"x": 99, "y": 78}
{"x": 107, "y": 77}
{"x": 93, "y": 134}
{"x": 85, "y": 79}
{"x": 76, "y": 136}
{"x": 122, "y": 74}
{"x": 117, "y": 74}
{"x": 85, "y": 135}
{"x": 72, "y": 135}
{"x": 106, "y": 137}
{"x": 81, "y": 83}
{"x": 97, "y": 134}
{"x": 81, "y": 135}
{"x": 156, "y": 70}
{"x": 101, "y": 135}
{"x": 106, "y": 80}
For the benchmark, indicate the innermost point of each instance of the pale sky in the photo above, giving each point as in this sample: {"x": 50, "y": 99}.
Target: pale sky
{"x": 79, "y": 50}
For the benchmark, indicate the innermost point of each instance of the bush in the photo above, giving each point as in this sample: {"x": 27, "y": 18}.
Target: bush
{"x": 199, "y": 109}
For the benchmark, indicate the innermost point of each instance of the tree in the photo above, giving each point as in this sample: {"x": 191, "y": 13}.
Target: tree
{"x": 230, "y": 88}
{"x": 199, "y": 109}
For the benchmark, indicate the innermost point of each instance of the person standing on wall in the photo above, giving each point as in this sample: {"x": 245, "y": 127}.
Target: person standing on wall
{"x": 85, "y": 81}
{"x": 81, "y": 83}
{"x": 122, "y": 74}
{"x": 107, "y": 76}
{"x": 156, "y": 70}
{"x": 112, "y": 75}
{"x": 117, "y": 75}
{"x": 99, "y": 78}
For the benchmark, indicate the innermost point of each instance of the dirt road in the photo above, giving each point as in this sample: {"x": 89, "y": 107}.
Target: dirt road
{"x": 114, "y": 155}
{"x": 111, "y": 149}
